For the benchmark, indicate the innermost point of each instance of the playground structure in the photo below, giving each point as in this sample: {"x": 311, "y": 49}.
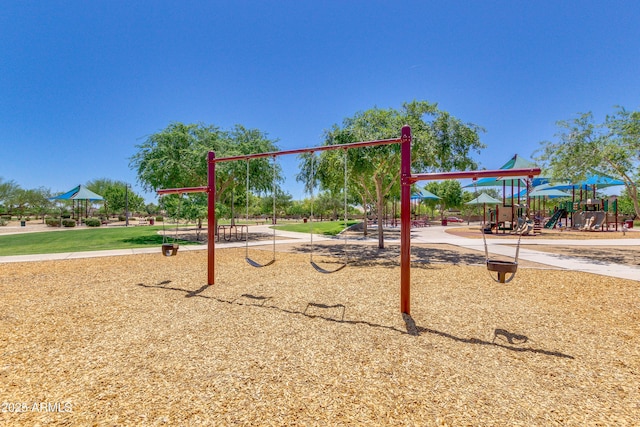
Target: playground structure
{"x": 406, "y": 180}
{"x": 512, "y": 218}
{"x": 586, "y": 215}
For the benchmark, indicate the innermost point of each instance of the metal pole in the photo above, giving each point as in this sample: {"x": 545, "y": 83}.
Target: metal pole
{"x": 211, "y": 218}
{"x": 310, "y": 150}
{"x": 405, "y": 221}
{"x": 126, "y": 205}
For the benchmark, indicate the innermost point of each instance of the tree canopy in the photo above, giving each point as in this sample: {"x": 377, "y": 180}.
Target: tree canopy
{"x": 117, "y": 195}
{"x": 610, "y": 148}
{"x": 450, "y": 193}
{"x": 176, "y": 157}
{"x": 8, "y": 190}
{"x": 441, "y": 142}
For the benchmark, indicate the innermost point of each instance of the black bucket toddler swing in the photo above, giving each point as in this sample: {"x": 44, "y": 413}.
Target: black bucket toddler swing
{"x": 171, "y": 248}
{"x": 503, "y": 268}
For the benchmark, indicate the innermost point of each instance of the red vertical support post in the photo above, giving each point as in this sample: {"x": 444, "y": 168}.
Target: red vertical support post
{"x": 211, "y": 218}
{"x": 405, "y": 221}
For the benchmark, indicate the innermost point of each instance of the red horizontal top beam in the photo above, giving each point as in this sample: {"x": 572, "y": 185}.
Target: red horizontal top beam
{"x": 306, "y": 150}
{"x": 499, "y": 173}
{"x": 183, "y": 190}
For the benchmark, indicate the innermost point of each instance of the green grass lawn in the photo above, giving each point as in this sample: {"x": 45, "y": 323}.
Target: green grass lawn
{"x": 330, "y": 228}
{"x": 82, "y": 240}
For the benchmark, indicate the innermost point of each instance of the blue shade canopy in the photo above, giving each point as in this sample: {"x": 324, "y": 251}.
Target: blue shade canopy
{"x": 78, "y": 193}
{"x": 540, "y": 180}
{"x": 545, "y": 190}
{"x": 484, "y": 198}
{"x": 551, "y": 193}
{"x": 602, "y": 181}
{"x": 516, "y": 162}
{"x": 424, "y": 195}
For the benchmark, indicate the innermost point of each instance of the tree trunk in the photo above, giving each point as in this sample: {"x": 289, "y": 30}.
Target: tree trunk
{"x": 633, "y": 194}
{"x": 365, "y": 230}
{"x": 379, "y": 208}
{"x": 199, "y": 229}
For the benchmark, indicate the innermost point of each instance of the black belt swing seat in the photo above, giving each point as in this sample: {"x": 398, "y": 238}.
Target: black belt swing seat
{"x": 318, "y": 268}
{"x": 250, "y": 261}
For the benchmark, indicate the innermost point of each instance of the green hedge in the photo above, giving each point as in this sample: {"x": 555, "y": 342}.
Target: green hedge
{"x": 92, "y": 222}
{"x": 53, "y": 222}
{"x": 69, "y": 222}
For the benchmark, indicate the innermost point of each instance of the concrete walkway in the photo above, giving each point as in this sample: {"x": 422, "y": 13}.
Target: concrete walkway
{"x": 426, "y": 235}
{"x": 505, "y": 247}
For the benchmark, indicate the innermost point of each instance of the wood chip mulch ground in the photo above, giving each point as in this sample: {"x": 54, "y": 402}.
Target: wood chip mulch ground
{"x": 141, "y": 340}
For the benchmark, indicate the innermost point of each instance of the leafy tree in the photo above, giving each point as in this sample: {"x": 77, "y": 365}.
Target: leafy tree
{"x": 34, "y": 201}
{"x": 625, "y": 204}
{"x": 151, "y": 209}
{"x": 431, "y": 204}
{"x": 283, "y": 203}
{"x": 441, "y": 142}
{"x": 177, "y": 157}
{"x": 8, "y": 190}
{"x": 611, "y": 148}
{"x": 300, "y": 208}
{"x": 193, "y": 209}
{"x": 38, "y": 201}
{"x": 18, "y": 202}
{"x": 120, "y": 197}
{"x": 101, "y": 185}
{"x": 450, "y": 193}
{"x": 117, "y": 196}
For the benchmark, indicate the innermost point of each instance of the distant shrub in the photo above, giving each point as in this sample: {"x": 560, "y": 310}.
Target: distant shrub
{"x": 122, "y": 218}
{"x": 92, "y": 222}
{"x": 53, "y": 222}
{"x": 159, "y": 218}
{"x": 3, "y": 222}
{"x": 6, "y": 217}
{"x": 69, "y": 222}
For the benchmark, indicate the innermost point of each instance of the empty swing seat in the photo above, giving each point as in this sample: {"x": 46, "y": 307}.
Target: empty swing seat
{"x": 170, "y": 249}
{"x": 502, "y": 268}
{"x": 325, "y": 271}
{"x": 256, "y": 264}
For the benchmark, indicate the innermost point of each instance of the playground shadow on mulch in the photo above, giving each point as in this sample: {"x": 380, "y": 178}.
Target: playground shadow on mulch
{"x": 370, "y": 255}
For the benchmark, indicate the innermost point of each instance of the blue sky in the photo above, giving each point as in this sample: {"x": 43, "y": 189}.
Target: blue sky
{"x": 83, "y": 82}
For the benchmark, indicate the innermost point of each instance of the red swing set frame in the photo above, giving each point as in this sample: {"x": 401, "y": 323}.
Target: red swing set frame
{"x": 406, "y": 180}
